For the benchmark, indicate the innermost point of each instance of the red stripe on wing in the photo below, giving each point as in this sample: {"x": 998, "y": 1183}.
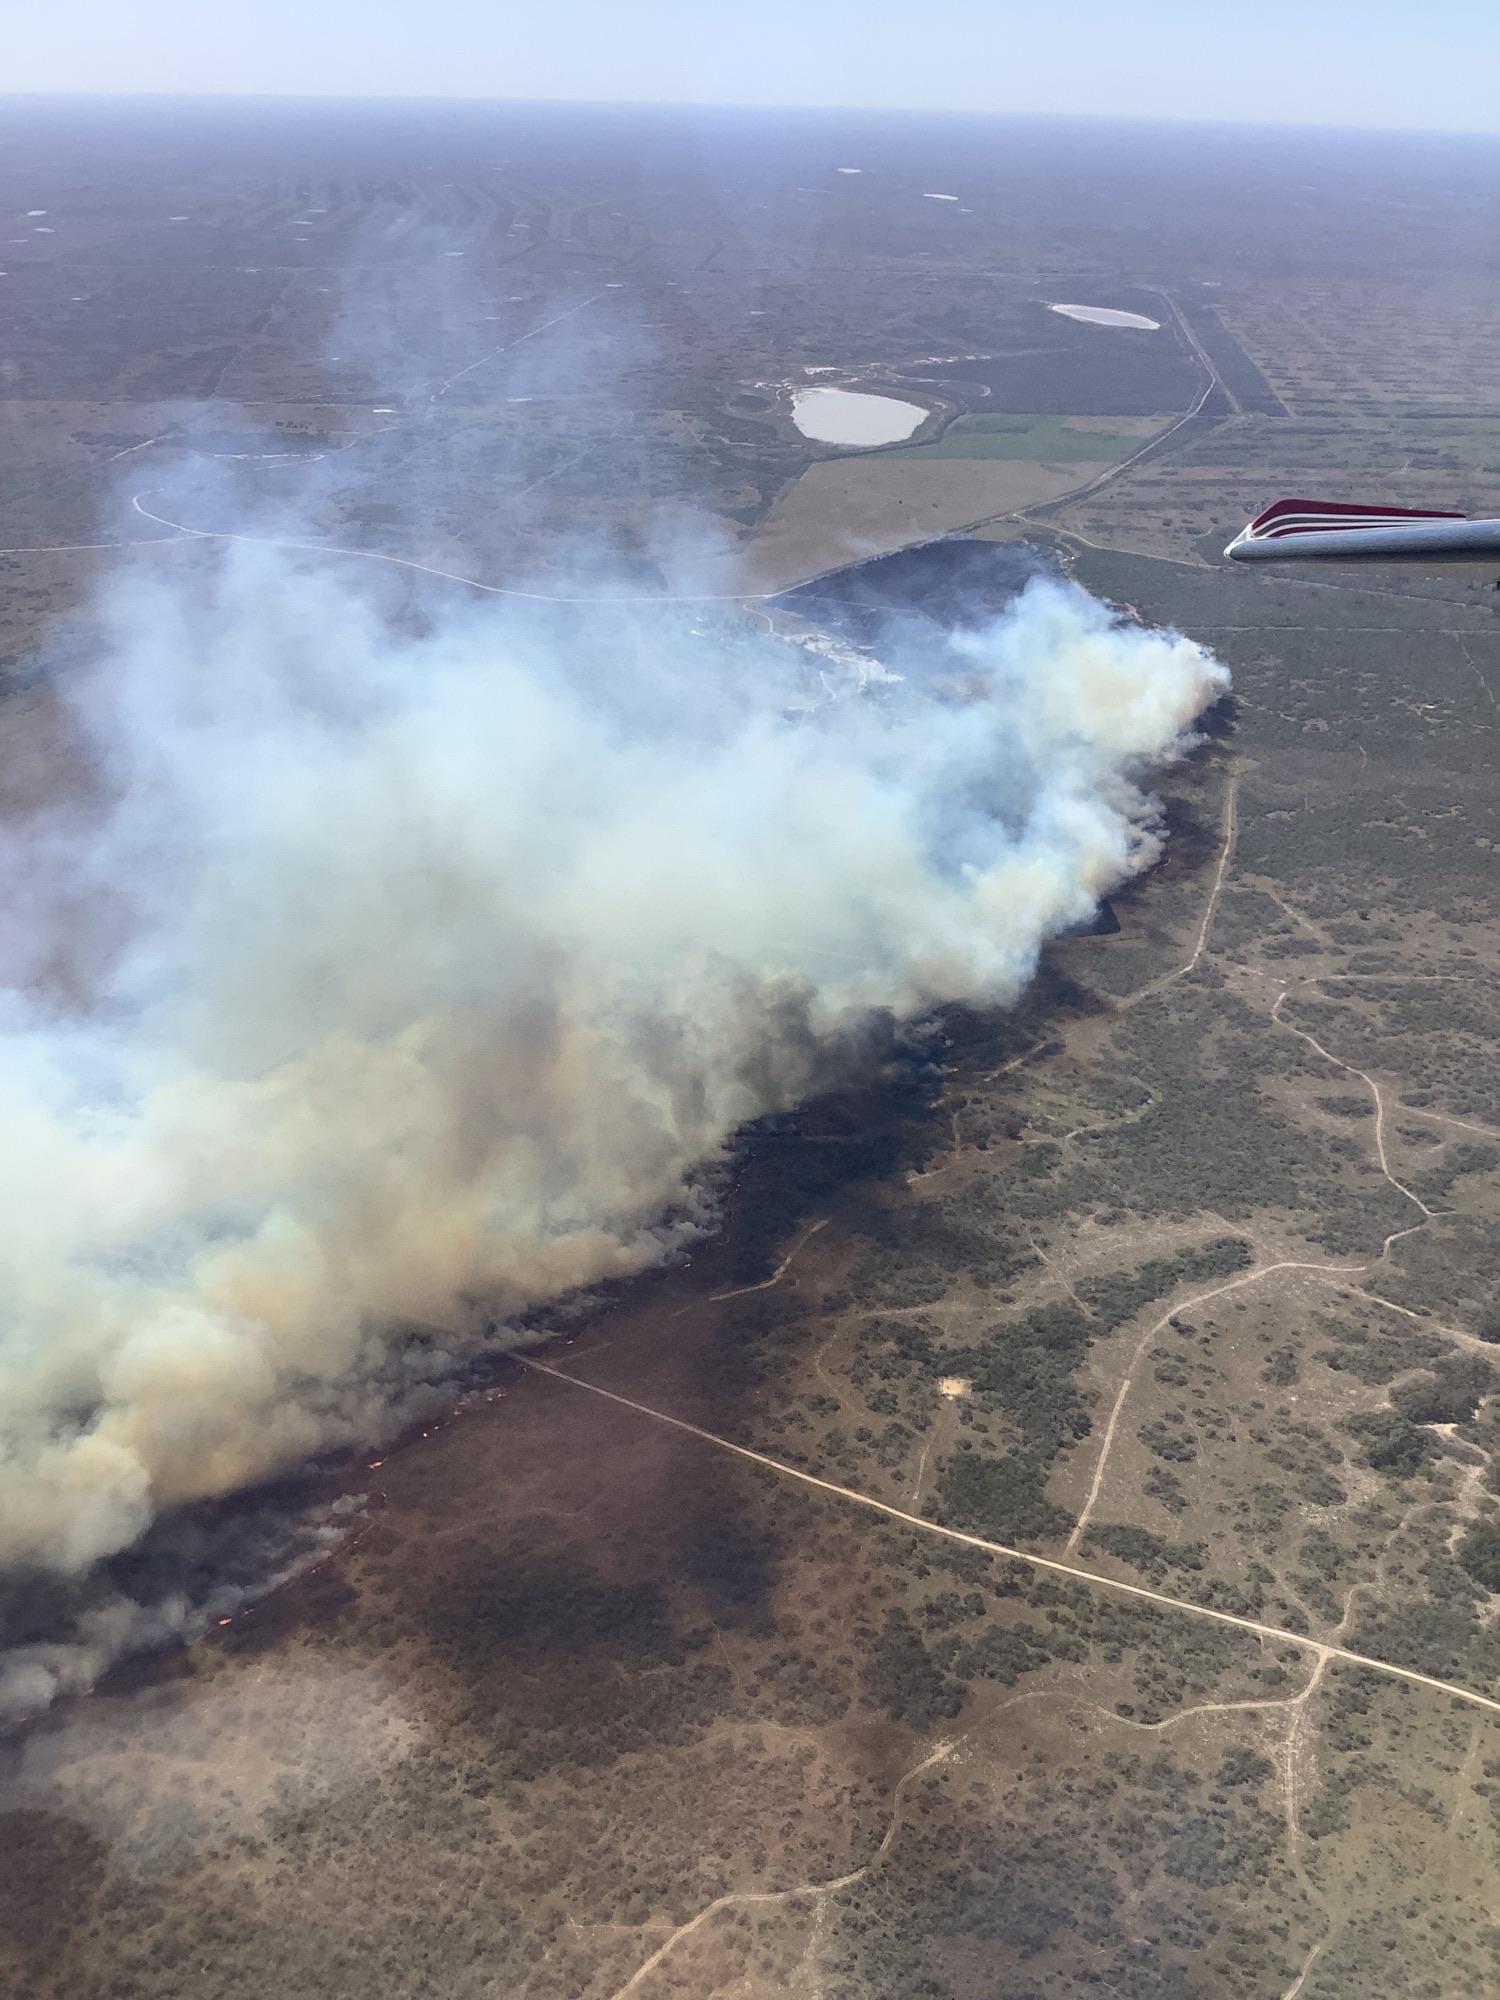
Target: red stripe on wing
{"x": 1318, "y": 516}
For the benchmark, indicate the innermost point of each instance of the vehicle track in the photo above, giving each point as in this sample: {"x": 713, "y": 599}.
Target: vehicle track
{"x": 1053, "y": 1564}
{"x": 1144, "y": 1346}
{"x": 763, "y": 1896}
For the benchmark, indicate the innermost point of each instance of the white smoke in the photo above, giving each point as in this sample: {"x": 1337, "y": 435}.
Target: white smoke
{"x": 425, "y": 967}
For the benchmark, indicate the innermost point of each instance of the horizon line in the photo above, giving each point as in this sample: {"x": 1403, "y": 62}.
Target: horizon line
{"x": 995, "y": 114}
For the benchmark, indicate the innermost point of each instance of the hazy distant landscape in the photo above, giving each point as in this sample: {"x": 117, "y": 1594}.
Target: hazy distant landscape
{"x": 1045, "y": 1539}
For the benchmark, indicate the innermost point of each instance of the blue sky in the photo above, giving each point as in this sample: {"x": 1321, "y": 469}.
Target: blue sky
{"x": 1428, "y": 64}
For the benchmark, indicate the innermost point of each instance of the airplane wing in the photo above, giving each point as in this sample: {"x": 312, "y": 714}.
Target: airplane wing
{"x": 1334, "y": 531}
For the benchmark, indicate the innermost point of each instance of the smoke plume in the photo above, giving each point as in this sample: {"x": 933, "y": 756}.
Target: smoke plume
{"x": 417, "y": 964}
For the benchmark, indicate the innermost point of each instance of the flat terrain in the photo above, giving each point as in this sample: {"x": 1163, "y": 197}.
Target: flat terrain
{"x": 845, "y": 510}
{"x": 1048, "y": 1543}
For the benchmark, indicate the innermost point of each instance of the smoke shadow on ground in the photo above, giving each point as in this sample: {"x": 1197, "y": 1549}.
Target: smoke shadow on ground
{"x": 623, "y": 1553}
{"x": 225, "y": 1560}
{"x": 900, "y": 600}
{"x": 1192, "y": 844}
{"x": 789, "y": 1168}
{"x": 615, "y": 1550}
{"x": 1219, "y": 721}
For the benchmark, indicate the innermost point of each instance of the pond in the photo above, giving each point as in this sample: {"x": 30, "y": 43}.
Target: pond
{"x": 1107, "y": 316}
{"x": 846, "y": 416}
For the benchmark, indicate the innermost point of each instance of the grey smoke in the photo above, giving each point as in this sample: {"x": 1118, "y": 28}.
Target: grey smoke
{"x": 430, "y": 960}
{"x": 189, "y": 1573}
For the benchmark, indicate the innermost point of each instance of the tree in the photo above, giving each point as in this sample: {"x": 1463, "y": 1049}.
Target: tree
{"x": 1479, "y": 1552}
{"x": 1449, "y": 1395}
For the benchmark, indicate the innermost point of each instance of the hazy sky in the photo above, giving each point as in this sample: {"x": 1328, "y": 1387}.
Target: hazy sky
{"x": 1430, "y": 65}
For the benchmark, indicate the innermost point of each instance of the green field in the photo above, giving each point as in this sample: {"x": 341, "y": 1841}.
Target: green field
{"x": 997, "y": 434}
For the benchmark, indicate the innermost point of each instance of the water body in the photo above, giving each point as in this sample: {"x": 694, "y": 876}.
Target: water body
{"x": 1107, "y": 316}
{"x": 846, "y": 416}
